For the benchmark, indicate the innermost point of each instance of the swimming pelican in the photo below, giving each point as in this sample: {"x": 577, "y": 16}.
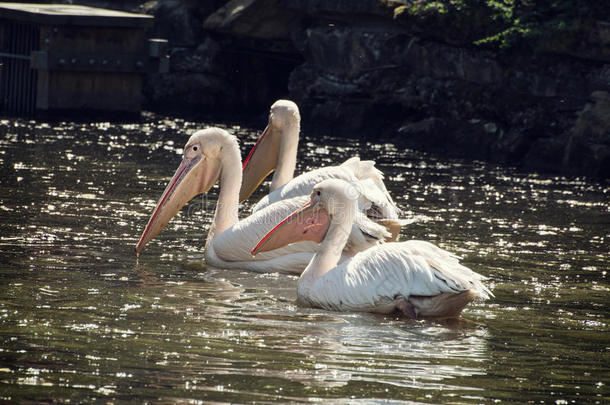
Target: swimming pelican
{"x": 414, "y": 277}
{"x": 213, "y": 154}
{"x": 276, "y": 150}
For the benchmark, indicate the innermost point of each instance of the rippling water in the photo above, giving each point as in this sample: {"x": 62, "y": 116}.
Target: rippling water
{"x": 82, "y": 320}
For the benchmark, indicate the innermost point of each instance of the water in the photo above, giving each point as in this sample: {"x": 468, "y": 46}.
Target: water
{"x": 82, "y": 321}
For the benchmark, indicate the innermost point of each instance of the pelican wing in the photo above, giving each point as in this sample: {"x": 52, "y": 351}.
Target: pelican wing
{"x": 377, "y": 277}
{"x": 303, "y": 184}
{"x": 365, "y": 233}
{"x": 375, "y": 199}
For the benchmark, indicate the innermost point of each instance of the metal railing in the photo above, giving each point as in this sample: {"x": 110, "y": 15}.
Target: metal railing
{"x": 17, "y": 78}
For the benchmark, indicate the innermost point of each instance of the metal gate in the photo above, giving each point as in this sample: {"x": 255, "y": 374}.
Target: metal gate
{"x": 17, "y": 78}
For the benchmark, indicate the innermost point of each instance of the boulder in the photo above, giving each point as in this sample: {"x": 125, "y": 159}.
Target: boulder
{"x": 343, "y": 10}
{"x": 178, "y": 22}
{"x": 588, "y": 143}
{"x": 207, "y": 57}
{"x": 188, "y": 93}
{"x": 260, "y": 19}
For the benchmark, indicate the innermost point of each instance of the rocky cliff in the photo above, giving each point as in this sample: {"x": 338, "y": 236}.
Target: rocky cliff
{"x": 516, "y": 82}
{"x": 420, "y": 78}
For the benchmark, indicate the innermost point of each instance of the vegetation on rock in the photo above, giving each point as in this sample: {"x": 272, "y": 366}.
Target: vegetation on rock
{"x": 542, "y": 25}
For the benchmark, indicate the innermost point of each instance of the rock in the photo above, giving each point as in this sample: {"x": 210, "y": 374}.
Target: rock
{"x": 435, "y": 89}
{"x": 594, "y": 120}
{"x": 192, "y": 93}
{"x": 261, "y": 19}
{"x": 214, "y": 72}
{"x": 590, "y": 41}
{"x": 205, "y": 58}
{"x": 588, "y": 144}
{"x": 424, "y": 127}
{"x": 451, "y": 137}
{"x": 341, "y": 10}
{"x": 544, "y": 154}
{"x": 490, "y": 128}
{"x": 181, "y": 21}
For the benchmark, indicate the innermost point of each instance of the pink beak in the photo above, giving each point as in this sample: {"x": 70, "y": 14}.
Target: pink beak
{"x": 261, "y": 161}
{"x": 194, "y": 176}
{"x": 308, "y": 223}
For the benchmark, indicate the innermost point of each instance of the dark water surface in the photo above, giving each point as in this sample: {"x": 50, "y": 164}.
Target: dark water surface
{"x": 82, "y": 321}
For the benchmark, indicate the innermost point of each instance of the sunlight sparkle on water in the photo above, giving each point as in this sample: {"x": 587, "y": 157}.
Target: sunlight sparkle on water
{"x": 82, "y": 320}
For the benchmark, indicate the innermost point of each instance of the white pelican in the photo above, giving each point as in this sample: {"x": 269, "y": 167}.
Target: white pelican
{"x": 415, "y": 277}
{"x": 213, "y": 154}
{"x": 276, "y": 150}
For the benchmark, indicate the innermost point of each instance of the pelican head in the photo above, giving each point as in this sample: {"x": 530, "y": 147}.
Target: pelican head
{"x": 275, "y": 147}
{"x": 332, "y": 201}
{"x": 198, "y": 172}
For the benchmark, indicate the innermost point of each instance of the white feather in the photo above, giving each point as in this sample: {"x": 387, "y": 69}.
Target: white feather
{"x": 303, "y": 184}
{"x": 376, "y": 277}
{"x": 367, "y": 179}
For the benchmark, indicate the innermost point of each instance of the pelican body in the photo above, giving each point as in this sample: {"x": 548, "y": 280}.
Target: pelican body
{"x": 276, "y": 151}
{"x": 416, "y": 278}
{"x": 212, "y": 155}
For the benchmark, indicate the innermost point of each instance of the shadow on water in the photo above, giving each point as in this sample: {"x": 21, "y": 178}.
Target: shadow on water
{"x": 82, "y": 320}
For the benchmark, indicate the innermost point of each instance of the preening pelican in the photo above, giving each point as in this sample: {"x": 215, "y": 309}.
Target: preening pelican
{"x": 213, "y": 154}
{"x": 414, "y": 277}
{"x": 276, "y": 150}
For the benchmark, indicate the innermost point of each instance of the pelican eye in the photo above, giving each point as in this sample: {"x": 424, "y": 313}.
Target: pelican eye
{"x": 195, "y": 148}
{"x": 318, "y": 192}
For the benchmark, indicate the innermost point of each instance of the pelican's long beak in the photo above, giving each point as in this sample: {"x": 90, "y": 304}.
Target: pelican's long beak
{"x": 307, "y": 223}
{"x": 194, "y": 176}
{"x": 261, "y": 161}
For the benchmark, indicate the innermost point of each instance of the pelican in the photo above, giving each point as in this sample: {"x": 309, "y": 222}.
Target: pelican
{"x": 416, "y": 278}
{"x": 276, "y": 150}
{"x": 212, "y": 155}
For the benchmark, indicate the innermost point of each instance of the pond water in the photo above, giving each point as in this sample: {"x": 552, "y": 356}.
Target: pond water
{"x": 82, "y": 320}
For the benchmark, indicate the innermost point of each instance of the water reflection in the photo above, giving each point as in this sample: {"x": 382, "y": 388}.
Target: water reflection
{"x": 81, "y": 320}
